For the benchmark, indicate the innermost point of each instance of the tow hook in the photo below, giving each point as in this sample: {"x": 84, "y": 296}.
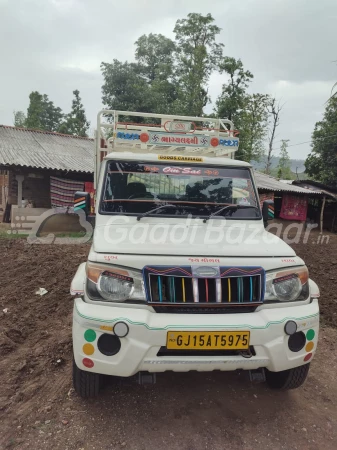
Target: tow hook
{"x": 257, "y": 375}
{"x": 146, "y": 378}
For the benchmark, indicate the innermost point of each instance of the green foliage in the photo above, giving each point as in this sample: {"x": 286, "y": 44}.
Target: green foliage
{"x": 51, "y": 115}
{"x": 233, "y": 98}
{"x": 124, "y": 87}
{"x": 35, "y": 111}
{"x": 155, "y": 55}
{"x": 252, "y": 123}
{"x": 19, "y": 119}
{"x": 168, "y": 77}
{"x": 321, "y": 164}
{"x": 248, "y": 112}
{"x": 283, "y": 168}
{"x": 274, "y": 110}
{"x": 75, "y": 122}
{"x": 198, "y": 55}
{"x": 156, "y": 63}
{"x": 42, "y": 114}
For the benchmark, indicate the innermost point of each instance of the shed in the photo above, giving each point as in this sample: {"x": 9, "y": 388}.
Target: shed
{"x": 41, "y": 169}
{"x": 266, "y": 183}
{"x": 291, "y": 202}
{"x": 329, "y": 194}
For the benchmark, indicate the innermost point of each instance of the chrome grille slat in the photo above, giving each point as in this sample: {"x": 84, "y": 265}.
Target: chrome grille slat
{"x": 188, "y": 289}
{"x": 218, "y": 290}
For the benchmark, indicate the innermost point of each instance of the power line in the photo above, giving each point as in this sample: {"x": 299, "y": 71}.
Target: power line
{"x": 306, "y": 142}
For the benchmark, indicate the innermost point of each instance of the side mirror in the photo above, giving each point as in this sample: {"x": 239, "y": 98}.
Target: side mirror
{"x": 267, "y": 211}
{"x": 82, "y": 201}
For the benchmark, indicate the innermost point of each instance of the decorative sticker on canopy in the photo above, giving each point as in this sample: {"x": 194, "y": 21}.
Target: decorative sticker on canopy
{"x": 202, "y": 171}
{"x": 229, "y": 142}
{"x": 180, "y": 158}
{"x": 172, "y": 139}
{"x": 158, "y": 138}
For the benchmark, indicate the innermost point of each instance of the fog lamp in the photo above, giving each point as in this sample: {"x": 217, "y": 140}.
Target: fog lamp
{"x": 121, "y": 329}
{"x": 290, "y": 327}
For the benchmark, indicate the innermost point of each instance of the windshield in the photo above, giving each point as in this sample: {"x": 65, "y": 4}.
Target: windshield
{"x": 137, "y": 187}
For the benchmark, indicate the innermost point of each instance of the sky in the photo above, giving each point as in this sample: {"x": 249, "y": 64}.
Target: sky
{"x": 56, "y": 46}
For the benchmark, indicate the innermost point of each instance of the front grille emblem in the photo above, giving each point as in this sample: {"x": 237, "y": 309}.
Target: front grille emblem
{"x": 206, "y": 271}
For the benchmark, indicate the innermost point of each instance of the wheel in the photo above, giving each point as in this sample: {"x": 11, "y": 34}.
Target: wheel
{"x": 86, "y": 384}
{"x": 287, "y": 379}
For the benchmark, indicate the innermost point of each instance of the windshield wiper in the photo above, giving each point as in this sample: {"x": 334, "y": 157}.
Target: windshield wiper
{"x": 168, "y": 205}
{"x": 229, "y": 208}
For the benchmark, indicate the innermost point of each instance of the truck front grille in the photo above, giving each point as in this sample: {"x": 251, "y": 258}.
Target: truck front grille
{"x": 170, "y": 287}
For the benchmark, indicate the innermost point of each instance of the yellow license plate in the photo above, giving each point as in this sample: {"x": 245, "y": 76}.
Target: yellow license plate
{"x": 208, "y": 340}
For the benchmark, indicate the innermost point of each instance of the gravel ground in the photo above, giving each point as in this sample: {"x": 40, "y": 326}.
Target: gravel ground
{"x": 185, "y": 411}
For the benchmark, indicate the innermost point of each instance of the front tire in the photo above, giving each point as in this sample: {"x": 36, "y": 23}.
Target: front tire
{"x": 287, "y": 379}
{"x": 86, "y": 384}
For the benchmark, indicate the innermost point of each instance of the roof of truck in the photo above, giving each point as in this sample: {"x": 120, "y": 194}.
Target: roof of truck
{"x": 185, "y": 158}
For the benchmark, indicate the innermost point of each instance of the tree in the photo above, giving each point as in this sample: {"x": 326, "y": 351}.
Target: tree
{"x": 198, "y": 55}
{"x": 168, "y": 77}
{"x": 274, "y": 110}
{"x": 248, "y": 112}
{"x": 35, "y": 111}
{"x": 253, "y": 127}
{"x": 76, "y": 122}
{"x": 321, "y": 164}
{"x": 124, "y": 88}
{"x": 233, "y": 98}
{"x": 172, "y": 77}
{"x": 155, "y": 57}
{"x": 51, "y": 116}
{"x": 283, "y": 167}
{"x": 155, "y": 54}
{"x": 19, "y": 119}
{"x": 42, "y": 114}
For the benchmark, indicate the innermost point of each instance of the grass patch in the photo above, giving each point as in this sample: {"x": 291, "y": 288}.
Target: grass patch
{"x": 5, "y": 235}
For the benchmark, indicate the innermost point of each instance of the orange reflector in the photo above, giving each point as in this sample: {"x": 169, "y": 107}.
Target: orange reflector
{"x": 94, "y": 270}
{"x": 309, "y": 346}
{"x": 106, "y": 328}
{"x": 302, "y": 274}
{"x": 88, "y": 363}
{"x": 88, "y": 349}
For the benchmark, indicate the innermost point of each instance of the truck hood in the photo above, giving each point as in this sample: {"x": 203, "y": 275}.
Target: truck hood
{"x": 153, "y": 236}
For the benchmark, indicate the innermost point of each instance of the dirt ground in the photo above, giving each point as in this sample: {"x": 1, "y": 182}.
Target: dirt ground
{"x": 190, "y": 411}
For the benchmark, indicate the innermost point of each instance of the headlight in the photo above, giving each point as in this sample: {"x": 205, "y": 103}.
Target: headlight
{"x": 114, "y": 284}
{"x": 287, "y": 285}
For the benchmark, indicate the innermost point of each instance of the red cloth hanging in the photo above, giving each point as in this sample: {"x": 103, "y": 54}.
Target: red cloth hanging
{"x": 294, "y": 207}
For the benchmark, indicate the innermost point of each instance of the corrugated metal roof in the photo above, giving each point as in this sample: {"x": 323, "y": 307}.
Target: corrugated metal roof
{"x": 316, "y": 186}
{"x": 45, "y": 150}
{"x": 269, "y": 183}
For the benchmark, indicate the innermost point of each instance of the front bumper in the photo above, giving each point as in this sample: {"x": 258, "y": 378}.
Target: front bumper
{"x": 148, "y": 331}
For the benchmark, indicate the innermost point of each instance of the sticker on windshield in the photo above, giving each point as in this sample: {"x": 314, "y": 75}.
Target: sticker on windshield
{"x": 180, "y": 158}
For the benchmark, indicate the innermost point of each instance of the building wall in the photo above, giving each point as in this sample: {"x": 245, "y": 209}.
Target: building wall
{"x": 3, "y": 187}
{"x": 35, "y": 188}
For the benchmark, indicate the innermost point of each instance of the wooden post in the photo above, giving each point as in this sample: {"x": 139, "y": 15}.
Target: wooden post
{"x": 334, "y": 218}
{"x": 322, "y": 213}
{"x": 19, "y": 179}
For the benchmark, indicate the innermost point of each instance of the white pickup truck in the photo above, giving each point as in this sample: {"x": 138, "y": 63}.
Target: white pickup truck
{"x": 182, "y": 274}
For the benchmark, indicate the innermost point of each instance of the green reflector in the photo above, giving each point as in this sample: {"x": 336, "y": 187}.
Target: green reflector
{"x": 90, "y": 335}
{"x": 310, "y": 335}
